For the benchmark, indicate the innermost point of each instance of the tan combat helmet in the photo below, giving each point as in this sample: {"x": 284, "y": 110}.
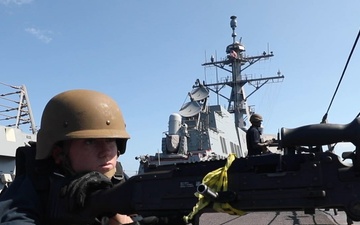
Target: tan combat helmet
{"x": 80, "y": 114}
{"x": 255, "y": 118}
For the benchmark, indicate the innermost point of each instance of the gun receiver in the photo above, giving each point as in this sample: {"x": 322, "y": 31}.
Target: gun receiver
{"x": 262, "y": 183}
{"x": 323, "y": 134}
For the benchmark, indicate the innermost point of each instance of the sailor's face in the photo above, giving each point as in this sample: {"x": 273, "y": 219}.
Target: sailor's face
{"x": 257, "y": 123}
{"x": 93, "y": 155}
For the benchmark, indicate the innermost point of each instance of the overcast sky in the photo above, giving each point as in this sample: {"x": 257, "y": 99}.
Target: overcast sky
{"x": 148, "y": 54}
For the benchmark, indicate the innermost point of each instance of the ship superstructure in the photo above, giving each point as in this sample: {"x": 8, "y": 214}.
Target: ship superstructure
{"x": 15, "y": 116}
{"x": 202, "y": 132}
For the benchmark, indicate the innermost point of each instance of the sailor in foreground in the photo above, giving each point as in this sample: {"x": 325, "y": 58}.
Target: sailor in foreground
{"x": 81, "y": 137}
{"x": 255, "y": 144}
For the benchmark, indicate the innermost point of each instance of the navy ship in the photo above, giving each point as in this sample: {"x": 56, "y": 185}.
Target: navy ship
{"x": 202, "y": 132}
{"x": 17, "y": 126}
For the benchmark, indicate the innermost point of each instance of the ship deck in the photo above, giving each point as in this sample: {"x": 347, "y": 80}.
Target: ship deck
{"x": 321, "y": 217}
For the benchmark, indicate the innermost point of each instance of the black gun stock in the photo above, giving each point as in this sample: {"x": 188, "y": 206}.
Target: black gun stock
{"x": 261, "y": 183}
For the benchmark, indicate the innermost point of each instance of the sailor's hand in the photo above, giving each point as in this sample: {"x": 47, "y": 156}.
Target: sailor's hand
{"x": 133, "y": 220}
{"x": 268, "y": 142}
{"x": 121, "y": 219}
{"x": 67, "y": 196}
{"x": 82, "y": 185}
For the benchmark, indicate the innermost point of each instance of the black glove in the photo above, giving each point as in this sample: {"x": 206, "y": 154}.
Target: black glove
{"x": 82, "y": 185}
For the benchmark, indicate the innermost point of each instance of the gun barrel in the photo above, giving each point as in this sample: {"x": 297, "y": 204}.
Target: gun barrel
{"x": 207, "y": 192}
{"x": 321, "y": 134}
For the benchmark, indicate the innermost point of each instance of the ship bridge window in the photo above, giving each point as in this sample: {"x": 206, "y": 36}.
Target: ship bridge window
{"x": 223, "y": 145}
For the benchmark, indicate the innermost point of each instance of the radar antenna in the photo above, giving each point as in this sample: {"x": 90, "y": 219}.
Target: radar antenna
{"x": 238, "y": 62}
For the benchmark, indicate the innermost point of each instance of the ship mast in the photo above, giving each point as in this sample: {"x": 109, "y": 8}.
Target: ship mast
{"x": 15, "y": 108}
{"x": 238, "y": 62}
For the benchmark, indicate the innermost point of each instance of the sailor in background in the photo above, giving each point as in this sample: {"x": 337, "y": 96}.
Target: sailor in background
{"x": 255, "y": 144}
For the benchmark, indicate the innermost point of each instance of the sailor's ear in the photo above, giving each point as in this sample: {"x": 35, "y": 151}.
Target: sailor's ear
{"x": 58, "y": 154}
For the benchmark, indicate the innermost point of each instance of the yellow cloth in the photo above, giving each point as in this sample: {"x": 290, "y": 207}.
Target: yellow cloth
{"x": 216, "y": 180}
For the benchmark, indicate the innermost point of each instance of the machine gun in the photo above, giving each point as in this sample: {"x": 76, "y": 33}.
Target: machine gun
{"x": 298, "y": 180}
